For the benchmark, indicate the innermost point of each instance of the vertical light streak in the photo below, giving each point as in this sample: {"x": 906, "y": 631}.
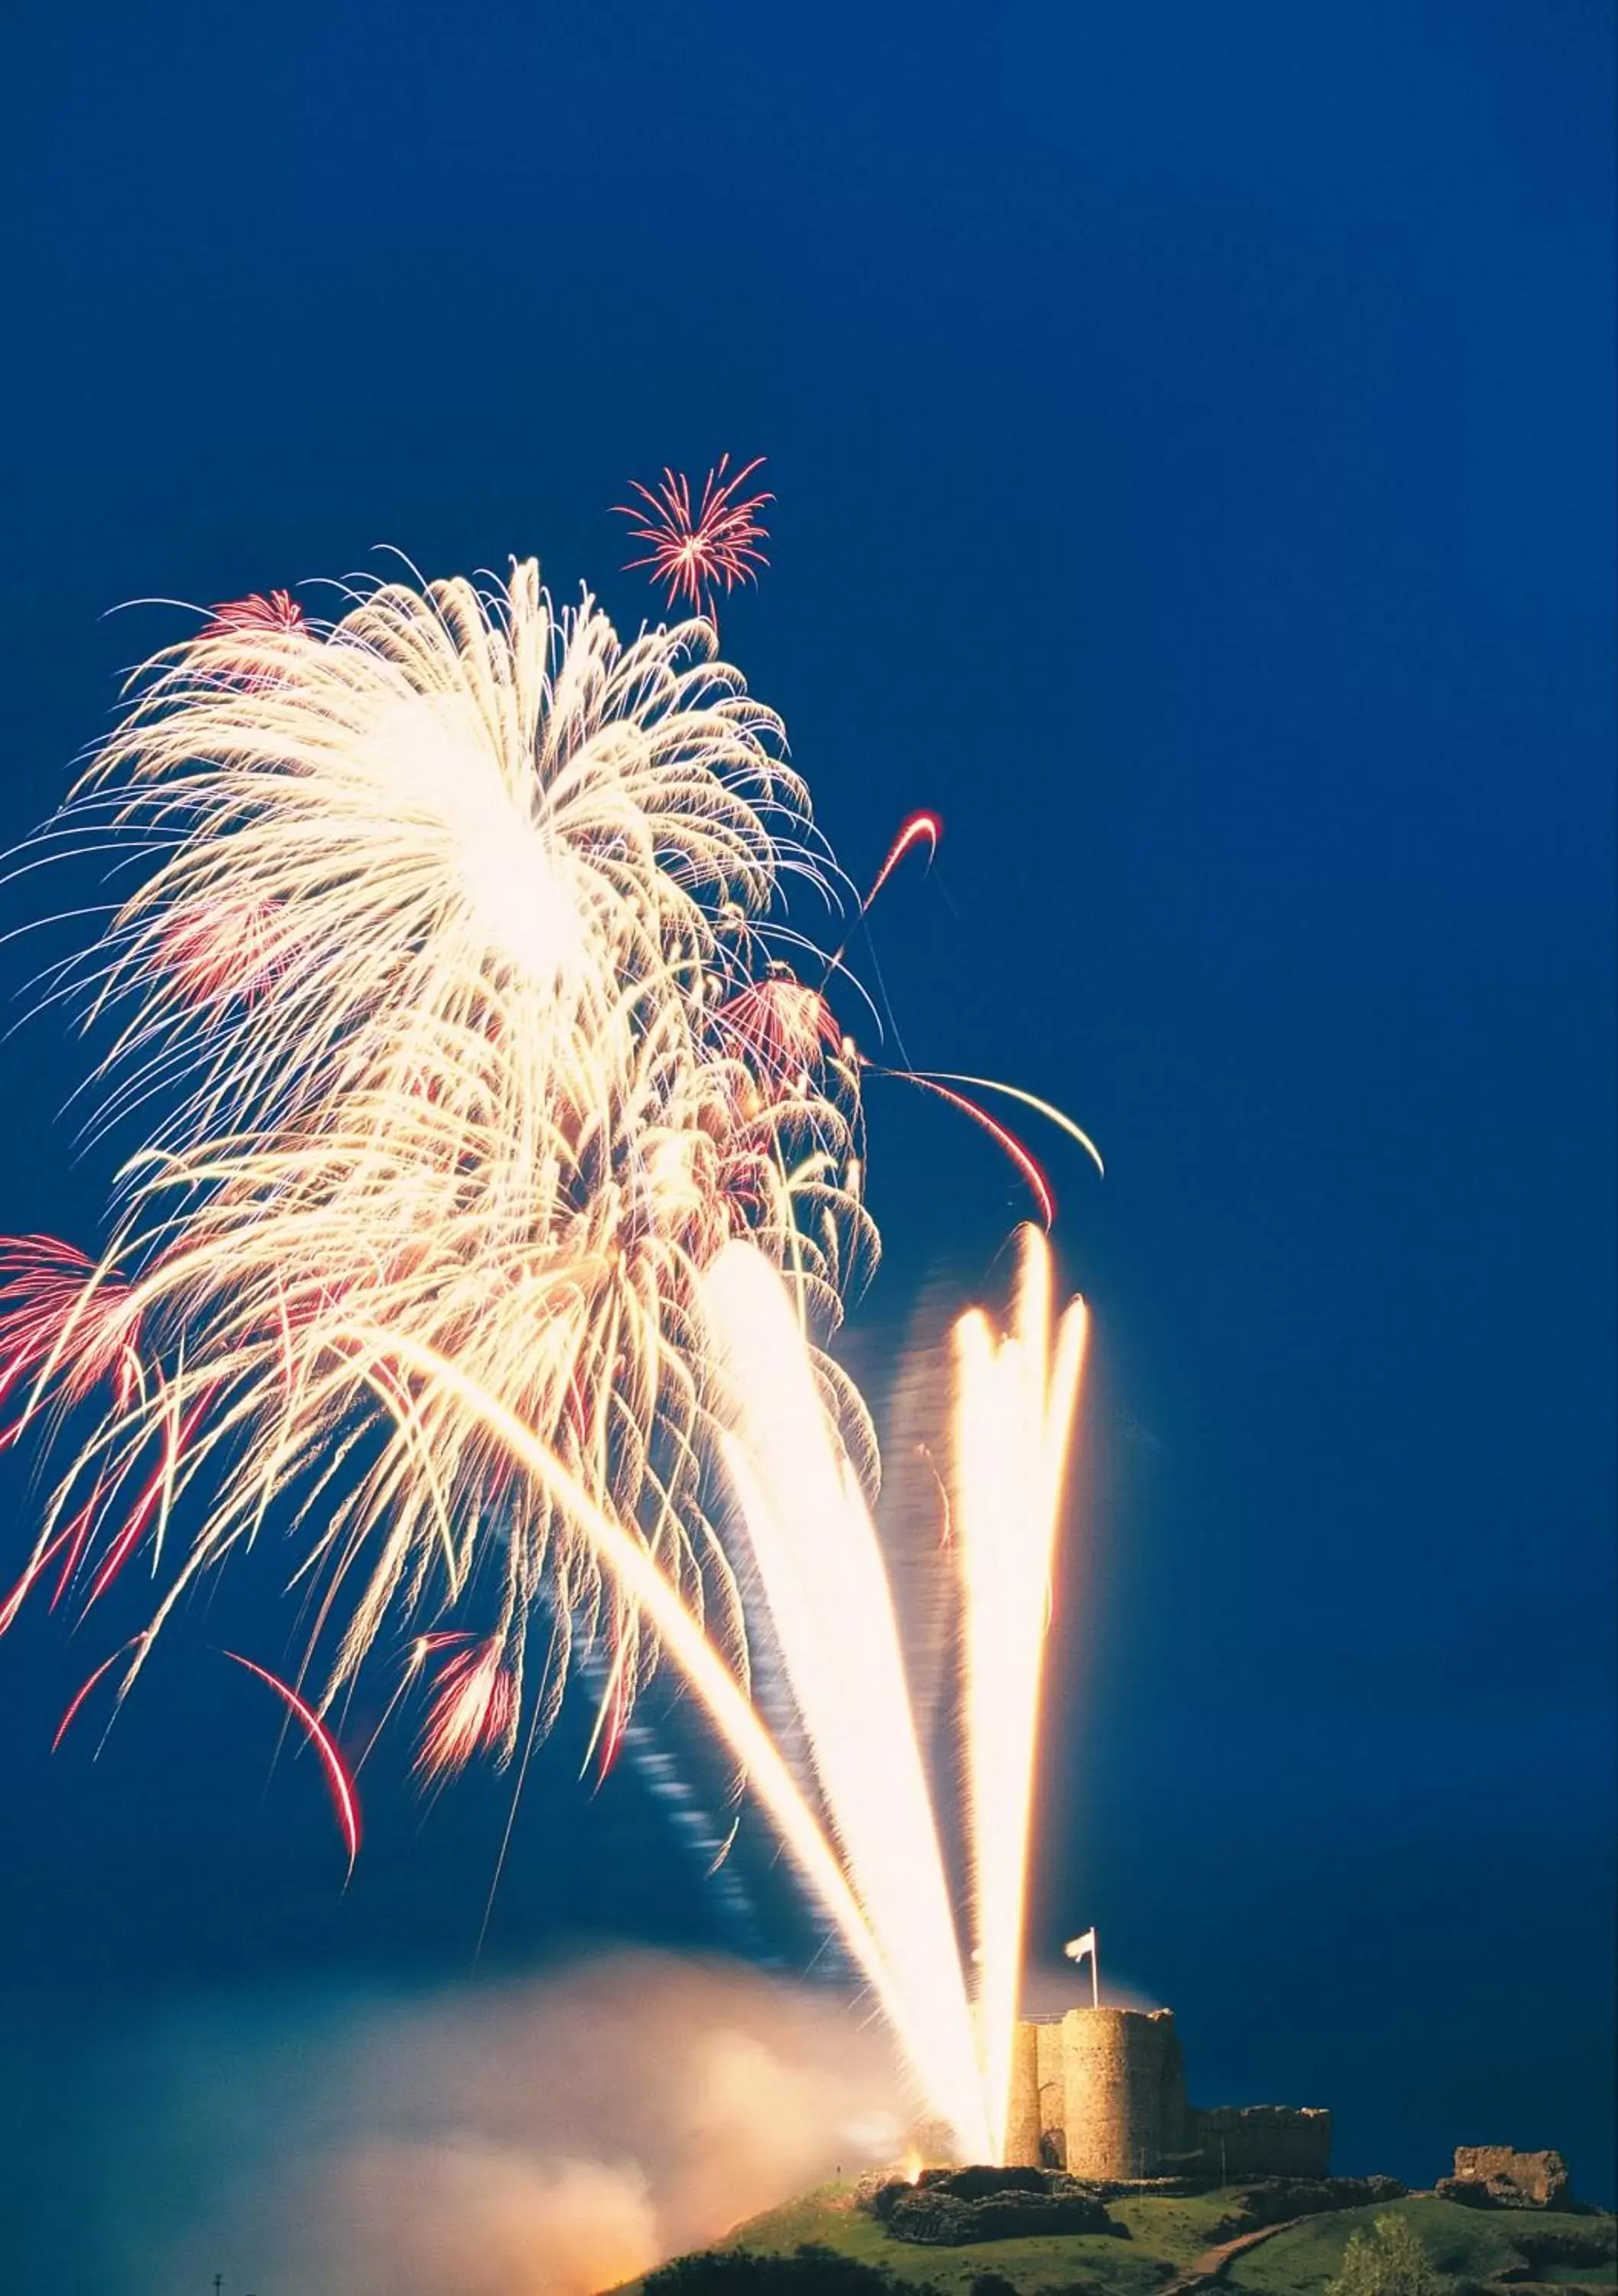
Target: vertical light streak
{"x": 632, "y": 1569}
{"x": 1016, "y": 1393}
{"x": 821, "y": 1574}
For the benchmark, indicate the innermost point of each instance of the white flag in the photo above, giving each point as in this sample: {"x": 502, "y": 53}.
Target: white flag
{"x": 1077, "y": 1947}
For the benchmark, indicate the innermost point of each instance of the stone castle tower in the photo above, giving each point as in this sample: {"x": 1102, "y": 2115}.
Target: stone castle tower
{"x": 1102, "y": 2093}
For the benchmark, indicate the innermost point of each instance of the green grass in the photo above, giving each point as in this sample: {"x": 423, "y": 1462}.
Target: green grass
{"x": 1095, "y": 2260}
{"x": 1469, "y": 2243}
{"x": 1118, "y": 2267}
{"x": 1165, "y": 2235}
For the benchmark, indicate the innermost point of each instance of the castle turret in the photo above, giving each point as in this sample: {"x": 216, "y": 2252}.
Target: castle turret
{"x": 1125, "y": 2091}
{"x": 1102, "y": 2093}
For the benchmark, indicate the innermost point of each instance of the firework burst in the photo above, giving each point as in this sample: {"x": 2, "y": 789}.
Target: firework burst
{"x": 436, "y": 976}
{"x": 696, "y": 550}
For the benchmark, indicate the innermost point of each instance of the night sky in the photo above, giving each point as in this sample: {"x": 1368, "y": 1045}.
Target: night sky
{"x": 1192, "y": 435}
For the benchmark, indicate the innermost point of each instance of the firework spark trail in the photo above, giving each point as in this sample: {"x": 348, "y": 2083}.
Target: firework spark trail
{"x": 279, "y": 612}
{"x": 84, "y": 1690}
{"x": 473, "y": 1706}
{"x": 710, "y": 1834}
{"x": 1045, "y": 1108}
{"x": 826, "y": 1590}
{"x": 1015, "y": 1396}
{"x": 921, "y": 2023}
{"x": 344, "y": 1800}
{"x": 920, "y": 827}
{"x": 1039, "y": 1187}
{"x": 61, "y": 1317}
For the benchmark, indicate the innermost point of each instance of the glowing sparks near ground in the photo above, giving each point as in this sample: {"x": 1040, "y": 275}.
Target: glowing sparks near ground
{"x": 1016, "y": 1395}
{"x": 505, "y": 1183}
{"x": 728, "y": 1711}
{"x": 826, "y": 1589}
{"x": 696, "y": 550}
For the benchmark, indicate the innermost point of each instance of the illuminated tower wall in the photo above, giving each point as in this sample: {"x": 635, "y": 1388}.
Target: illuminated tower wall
{"x": 1101, "y": 2094}
{"x": 1124, "y": 2092}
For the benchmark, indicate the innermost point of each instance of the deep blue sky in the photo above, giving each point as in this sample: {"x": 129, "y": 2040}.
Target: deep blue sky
{"x": 1192, "y": 432}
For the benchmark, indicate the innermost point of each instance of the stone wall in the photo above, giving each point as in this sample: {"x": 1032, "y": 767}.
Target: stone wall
{"x": 1230, "y": 2141}
{"x": 1023, "y": 2121}
{"x": 1495, "y": 2176}
{"x": 1052, "y": 2077}
{"x": 1036, "y": 2131}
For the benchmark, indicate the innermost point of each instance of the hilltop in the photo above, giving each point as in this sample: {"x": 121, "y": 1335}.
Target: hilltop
{"x": 1173, "y": 2243}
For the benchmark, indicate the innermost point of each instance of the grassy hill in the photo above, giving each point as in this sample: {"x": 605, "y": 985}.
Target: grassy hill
{"x": 1481, "y": 2249}
{"x": 1477, "y": 2247}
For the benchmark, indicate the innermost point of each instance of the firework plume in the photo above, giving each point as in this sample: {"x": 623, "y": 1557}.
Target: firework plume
{"x": 499, "y": 1182}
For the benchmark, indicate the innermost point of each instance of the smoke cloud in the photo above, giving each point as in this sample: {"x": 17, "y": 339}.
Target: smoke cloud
{"x": 541, "y": 2138}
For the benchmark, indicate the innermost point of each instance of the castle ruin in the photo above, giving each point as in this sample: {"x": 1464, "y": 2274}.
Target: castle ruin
{"x": 1102, "y": 2093}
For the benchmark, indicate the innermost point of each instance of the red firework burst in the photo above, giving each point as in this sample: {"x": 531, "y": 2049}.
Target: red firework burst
{"x": 223, "y": 949}
{"x": 53, "y": 1299}
{"x": 693, "y": 553}
{"x": 783, "y": 1024}
{"x": 279, "y": 612}
{"x": 257, "y": 631}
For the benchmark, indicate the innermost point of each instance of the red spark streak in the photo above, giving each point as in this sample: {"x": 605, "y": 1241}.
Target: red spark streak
{"x": 344, "y": 1800}
{"x": 14, "y": 1599}
{"x": 911, "y": 832}
{"x": 1008, "y": 1140}
{"x": 119, "y": 1554}
{"x": 78, "y": 1530}
{"x": 64, "y": 1726}
{"x": 919, "y": 825}
{"x": 258, "y": 624}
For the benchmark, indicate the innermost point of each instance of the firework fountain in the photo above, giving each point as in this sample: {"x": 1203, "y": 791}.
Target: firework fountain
{"x": 500, "y": 1186}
